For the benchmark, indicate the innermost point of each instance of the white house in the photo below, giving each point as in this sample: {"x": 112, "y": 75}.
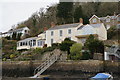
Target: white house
{"x": 57, "y": 33}
{"x": 108, "y": 21}
{"x": 33, "y": 42}
{"x": 76, "y": 32}
{"x": 24, "y": 30}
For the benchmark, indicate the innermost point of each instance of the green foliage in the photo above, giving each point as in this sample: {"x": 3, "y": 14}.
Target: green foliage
{"x": 56, "y": 45}
{"x": 12, "y": 56}
{"x": 85, "y": 55}
{"x": 4, "y": 59}
{"x": 47, "y": 49}
{"x": 78, "y": 14}
{"x": 37, "y": 50}
{"x": 94, "y": 45}
{"x": 66, "y": 44}
{"x": 75, "y": 51}
{"x": 112, "y": 32}
{"x": 8, "y": 48}
{"x": 7, "y": 37}
{"x": 64, "y": 10}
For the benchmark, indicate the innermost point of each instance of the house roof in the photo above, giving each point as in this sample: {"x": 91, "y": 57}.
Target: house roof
{"x": 28, "y": 39}
{"x": 103, "y": 18}
{"x": 93, "y": 25}
{"x": 17, "y": 29}
{"x": 64, "y": 26}
{"x": 93, "y": 17}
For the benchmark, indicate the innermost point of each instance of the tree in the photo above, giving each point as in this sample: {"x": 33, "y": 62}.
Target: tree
{"x": 78, "y": 13}
{"x": 65, "y": 45}
{"x": 64, "y": 10}
{"x": 75, "y": 51}
{"x": 94, "y": 45}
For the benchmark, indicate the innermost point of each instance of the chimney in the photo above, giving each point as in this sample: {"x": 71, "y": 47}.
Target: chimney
{"x": 45, "y": 28}
{"x": 81, "y": 20}
{"x": 52, "y": 24}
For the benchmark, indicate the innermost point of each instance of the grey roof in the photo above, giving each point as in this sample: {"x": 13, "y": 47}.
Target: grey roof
{"x": 112, "y": 17}
{"x": 64, "y": 26}
{"x": 28, "y": 39}
{"x": 93, "y": 25}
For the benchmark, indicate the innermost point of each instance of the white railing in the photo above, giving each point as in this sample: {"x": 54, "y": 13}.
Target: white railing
{"x": 46, "y": 64}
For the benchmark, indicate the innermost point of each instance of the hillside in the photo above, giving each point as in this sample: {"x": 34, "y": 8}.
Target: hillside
{"x": 64, "y": 13}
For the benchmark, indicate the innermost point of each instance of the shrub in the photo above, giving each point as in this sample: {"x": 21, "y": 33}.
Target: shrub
{"x": 56, "y": 45}
{"x": 85, "y": 55}
{"x": 75, "y": 51}
{"x": 94, "y": 45}
{"x": 47, "y": 49}
{"x": 37, "y": 50}
{"x": 12, "y": 56}
{"x": 66, "y": 44}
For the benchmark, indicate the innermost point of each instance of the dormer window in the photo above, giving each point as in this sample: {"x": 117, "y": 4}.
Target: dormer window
{"x": 94, "y": 20}
{"x": 108, "y": 20}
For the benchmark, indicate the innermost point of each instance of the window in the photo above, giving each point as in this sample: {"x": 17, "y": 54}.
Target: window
{"x": 39, "y": 43}
{"x": 94, "y": 20}
{"x": 69, "y": 31}
{"x": 20, "y": 43}
{"x": 108, "y": 20}
{"x": 60, "y": 32}
{"x": 51, "y": 41}
{"x": 52, "y": 33}
{"x": 26, "y": 43}
{"x": 34, "y": 42}
{"x": 23, "y": 43}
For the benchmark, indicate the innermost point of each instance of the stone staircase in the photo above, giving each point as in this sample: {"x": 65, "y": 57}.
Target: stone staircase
{"x": 47, "y": 63}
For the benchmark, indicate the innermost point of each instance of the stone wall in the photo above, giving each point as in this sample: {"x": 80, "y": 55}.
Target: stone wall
{"x": 26, "y": 68}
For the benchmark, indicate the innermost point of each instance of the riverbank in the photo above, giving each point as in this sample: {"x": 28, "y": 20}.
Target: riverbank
{"x": 61, "y": 69}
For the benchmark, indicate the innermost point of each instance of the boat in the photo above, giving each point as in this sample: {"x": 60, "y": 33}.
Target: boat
{"x": 102, "y": 76}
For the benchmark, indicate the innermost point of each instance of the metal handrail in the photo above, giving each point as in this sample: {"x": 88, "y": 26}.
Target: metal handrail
{"x": 49, "y": 61}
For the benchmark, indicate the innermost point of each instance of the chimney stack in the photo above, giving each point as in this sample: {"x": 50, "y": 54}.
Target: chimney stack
{"x": 81, "y": 20}
{"x": 52, "y": 24}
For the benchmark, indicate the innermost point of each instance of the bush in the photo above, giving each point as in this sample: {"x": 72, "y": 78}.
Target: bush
{"x": 75, "y": 51}
{"x": 66, "y": 44}
{"x": 85, "y": 55}
{"x": 12, "y": 56}
{"x": 94, "y": 45}
{"x": 46, "y": 49}
{"x": 37, "y": 50}
{"x": 56, "y": 45}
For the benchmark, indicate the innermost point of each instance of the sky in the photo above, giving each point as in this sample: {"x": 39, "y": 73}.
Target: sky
{"x": 13, "y": 12}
